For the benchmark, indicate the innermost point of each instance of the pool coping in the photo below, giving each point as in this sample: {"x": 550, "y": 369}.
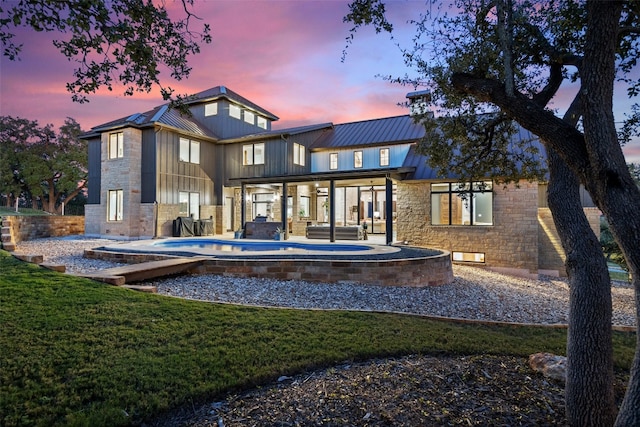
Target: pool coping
{"x": 416, "y": 271}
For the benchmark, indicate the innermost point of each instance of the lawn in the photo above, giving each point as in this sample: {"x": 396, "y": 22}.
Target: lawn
{"x": 78, "y": 352}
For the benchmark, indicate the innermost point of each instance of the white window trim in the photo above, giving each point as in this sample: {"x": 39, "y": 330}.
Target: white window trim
{"x": 298, "y": 154}
{"x": 384, "y": 159}
{"x": 333, "y": 165}
{"x": 115, "y": 213}
{"x": 189, "y": 151}
{"x": 253, "y": 154}
{"x": 358, "y": 155}
{"x": 235, "y": 111}
{"x": 116, "y": 148}
{"x": 211, "y": 109}
{"x": 249, "y": 117}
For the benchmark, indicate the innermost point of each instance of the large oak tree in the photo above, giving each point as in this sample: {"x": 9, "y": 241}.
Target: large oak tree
{"x": 509, "y": 58}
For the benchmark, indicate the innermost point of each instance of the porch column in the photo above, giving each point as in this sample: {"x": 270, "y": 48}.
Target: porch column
{"x": 283, "y": 211}
{"x": 243, "y": 207}
{"x": 332, "y": 211}
{"x": 389, "y": 210}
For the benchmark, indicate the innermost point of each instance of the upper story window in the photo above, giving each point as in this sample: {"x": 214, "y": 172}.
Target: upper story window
{"x": 211, "y": 109}
{"x": 262, "y": 122}
{"x": 384, "y": 157}
{"x": 249, "y": 117}
{"x": 357, "y": 159}
{"x": 333, "y": 161}
{"x": 462, "y": 204}
{"x": 116, "y": 145}
{"x": 189, "y": 151}
{"x": 253, "y": 154}
{"x": 298, "y": 154}
{"x": 235, "y": 111}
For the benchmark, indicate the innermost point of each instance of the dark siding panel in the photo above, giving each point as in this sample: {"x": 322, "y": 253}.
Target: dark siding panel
{"x": 148, "y": 178}
{"x": 94, "y": 164}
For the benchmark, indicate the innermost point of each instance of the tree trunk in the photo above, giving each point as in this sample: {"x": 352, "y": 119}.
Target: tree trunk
{"x": 589, "y": 388}
{"x": 612, "y": 186}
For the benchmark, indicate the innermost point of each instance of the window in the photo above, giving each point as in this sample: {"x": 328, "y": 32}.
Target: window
{"x": 253, "y": 154}
{"x": 333, "y": 161}
{"x": 468, "y": 256}
{"x": 114, "y": 205}
{"x": 211, "y": 109}
{"x": 384, "y": 157}
{"x": 249, "y": 117}
{"x": 298, "y": 154}
{"x": 235, "y": 111}
{"x": 189, "y": 204}
{"x": 357, "y": 159}
{"x": 116, "y": 145}
{"x": 305, "y": 206}
{"x": 462, "y": 204}
{"x": 189, "y": 151}
{"x": 262, "y": 122}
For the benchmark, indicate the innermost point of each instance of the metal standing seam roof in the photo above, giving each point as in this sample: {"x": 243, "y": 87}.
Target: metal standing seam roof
{"x": 423, "y": 171}
{"x": 161, "y": 115}
{"x": 277, "y": 133}
{"x": 387, "y": 130}
{"x": 224, "y": 92}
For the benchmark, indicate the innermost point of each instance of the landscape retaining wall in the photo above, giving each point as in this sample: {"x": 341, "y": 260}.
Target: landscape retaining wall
{"x": 22, "y": 228}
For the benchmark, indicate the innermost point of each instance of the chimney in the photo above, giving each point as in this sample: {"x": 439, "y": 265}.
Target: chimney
{"x": 419, "y": 103}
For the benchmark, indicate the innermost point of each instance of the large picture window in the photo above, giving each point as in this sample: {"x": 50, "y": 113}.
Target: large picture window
{"x": 462, "y": 204}
{"x": 115, "y": 200}
{"x": 253, "y": 154}
{"x": 116, "y": 145}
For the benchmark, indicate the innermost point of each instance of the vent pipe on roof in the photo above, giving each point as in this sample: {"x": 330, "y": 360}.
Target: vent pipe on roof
{"x": 223, "y": 89}
{"x": 419, "y": 103}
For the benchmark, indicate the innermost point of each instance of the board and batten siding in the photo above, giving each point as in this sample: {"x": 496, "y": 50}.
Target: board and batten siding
{"x": 226, "y": 126}
{"x": 370, "y": 158}
{"x": 175, "y": 176}
{"x": 94, "y": 152}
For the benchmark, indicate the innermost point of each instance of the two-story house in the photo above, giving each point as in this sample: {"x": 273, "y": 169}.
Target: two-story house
{"x": 224, "y": 162}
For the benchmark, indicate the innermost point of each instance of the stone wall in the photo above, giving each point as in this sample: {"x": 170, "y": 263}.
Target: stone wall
{"x": 551, "y": 255}
{"x": 23, "y": 228}
{"x": 509, "y": 245}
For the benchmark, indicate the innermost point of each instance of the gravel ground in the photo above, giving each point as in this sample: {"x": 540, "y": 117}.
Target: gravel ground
{"x": 474, "y": 294}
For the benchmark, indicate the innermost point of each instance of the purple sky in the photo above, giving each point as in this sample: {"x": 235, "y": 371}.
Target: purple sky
{"x": 283, "y": 55}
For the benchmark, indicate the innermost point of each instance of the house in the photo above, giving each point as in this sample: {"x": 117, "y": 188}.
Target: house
{"x": 225, "y": 164}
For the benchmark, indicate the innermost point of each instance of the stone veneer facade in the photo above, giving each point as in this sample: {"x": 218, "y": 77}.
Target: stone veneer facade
{"x": 522, "y": 240}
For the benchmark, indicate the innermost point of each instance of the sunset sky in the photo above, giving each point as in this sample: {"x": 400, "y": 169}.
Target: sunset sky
{"x": 283, "y": 55}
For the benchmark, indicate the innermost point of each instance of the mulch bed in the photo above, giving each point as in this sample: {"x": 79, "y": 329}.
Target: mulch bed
{"x": 409, "y": 391}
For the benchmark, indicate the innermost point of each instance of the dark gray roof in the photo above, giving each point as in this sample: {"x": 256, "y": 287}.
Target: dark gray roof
{"x": 279, "y": 133}
{"x": 424, "y": 171}
{"x": 224, "y": 92}
{"x": 162, "y": 115}
{"x": 389, "y": 130}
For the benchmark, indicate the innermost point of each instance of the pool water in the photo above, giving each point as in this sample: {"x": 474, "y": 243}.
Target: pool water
{"x": 256, "y": 246}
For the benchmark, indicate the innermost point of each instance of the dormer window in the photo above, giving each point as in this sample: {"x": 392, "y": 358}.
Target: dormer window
{"x": 249, "y": 117}
{"x": 211, "y": 109}
{"x": 235, "y": 111}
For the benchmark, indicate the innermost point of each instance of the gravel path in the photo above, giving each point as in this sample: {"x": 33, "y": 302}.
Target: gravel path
{"x": 475, "y": 293}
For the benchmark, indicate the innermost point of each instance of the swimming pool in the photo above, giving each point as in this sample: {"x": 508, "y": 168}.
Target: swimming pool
{"x": 385, "y": 265}
{"x": 256, "y": 246}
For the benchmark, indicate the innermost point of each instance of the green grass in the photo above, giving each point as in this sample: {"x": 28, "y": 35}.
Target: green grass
{"x": 6, "y": 211}
{"x": 77, "y": 352}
